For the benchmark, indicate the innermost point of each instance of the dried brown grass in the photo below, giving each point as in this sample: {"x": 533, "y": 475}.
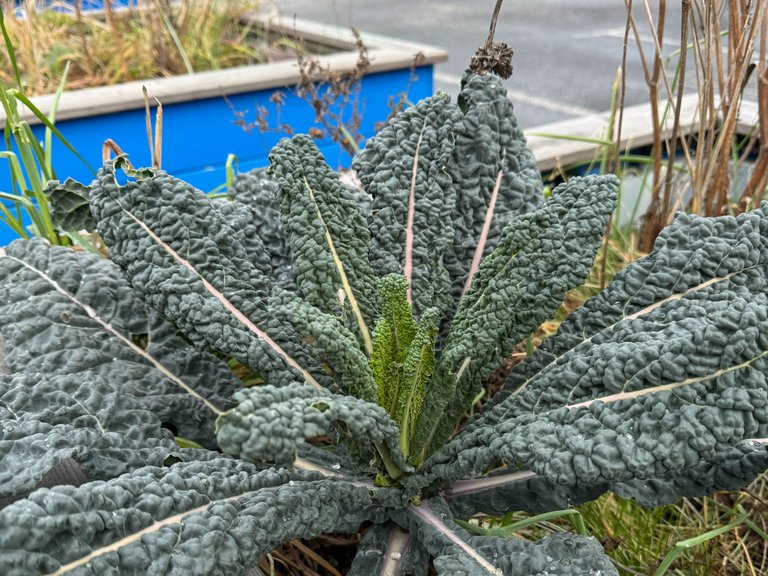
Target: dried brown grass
{"x": 155, "y": 38}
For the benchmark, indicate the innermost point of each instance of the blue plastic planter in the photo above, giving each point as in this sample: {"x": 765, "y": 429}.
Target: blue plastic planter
{"x": 199, "y": 120}
{"x": 85, "y": 5}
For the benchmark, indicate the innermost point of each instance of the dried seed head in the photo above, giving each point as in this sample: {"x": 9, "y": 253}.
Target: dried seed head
{"x": 496, "y": 58}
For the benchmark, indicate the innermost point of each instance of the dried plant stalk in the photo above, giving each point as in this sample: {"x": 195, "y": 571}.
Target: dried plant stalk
{"x": 754, "y": 190}
{"x": 721, "y": 55}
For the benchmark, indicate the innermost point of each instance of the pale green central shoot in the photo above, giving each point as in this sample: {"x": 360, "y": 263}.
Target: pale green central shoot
{"x": 403, "y": 356}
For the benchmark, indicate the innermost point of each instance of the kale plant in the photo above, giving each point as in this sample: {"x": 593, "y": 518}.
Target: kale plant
{"x": 364, "y": 322}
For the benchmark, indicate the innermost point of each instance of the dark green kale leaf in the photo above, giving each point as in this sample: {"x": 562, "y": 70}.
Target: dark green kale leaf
{"x": 328, "y": 234}
{"x": 64, "y": 312}
{"x": 494, "y": 175}
{"x": 540, "y": 256}
{"x": 70, "y": 205}
{"x": 404, "y": 168}
{"x": 193, "y": 518}
{"x": 187, "y": 263}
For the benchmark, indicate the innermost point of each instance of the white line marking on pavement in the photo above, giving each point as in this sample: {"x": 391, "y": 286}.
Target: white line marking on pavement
{"x": 519, "y": 96}
{"x": 619, "y": 33}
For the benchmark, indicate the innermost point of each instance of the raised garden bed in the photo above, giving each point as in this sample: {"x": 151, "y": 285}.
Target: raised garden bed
{"x": 200, "y": 121}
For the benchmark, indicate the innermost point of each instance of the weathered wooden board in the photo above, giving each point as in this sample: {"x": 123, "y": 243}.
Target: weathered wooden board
{"x": 556, "y": 144}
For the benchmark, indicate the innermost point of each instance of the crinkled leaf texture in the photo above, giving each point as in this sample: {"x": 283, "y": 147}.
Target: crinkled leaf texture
{"x": 539, "y": 257}
{"x": 182, "y": 257}
{"x": 458, "y": 553}
{"x": 328, "y": 234}
{"x": 64, "y": 312}
{"x": 494, "y": 174}
{"x": 47, "y": 420}
{"x": 404, "y": 169}
{"x": 91, "y": 377}
{"x": 331, "y": 341}
{"x": 240, "y": 218}
{"x": 657, "y": 386}
{"x": 193, "y": 518}
{"x": 70, "y": 207}
{"x": 255, "y": 191}
{"x": 270, "y": 423}
{"x": 731, "y": 469}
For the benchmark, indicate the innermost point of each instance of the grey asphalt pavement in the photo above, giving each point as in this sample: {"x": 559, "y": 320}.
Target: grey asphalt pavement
{"x": 567, "y": 53}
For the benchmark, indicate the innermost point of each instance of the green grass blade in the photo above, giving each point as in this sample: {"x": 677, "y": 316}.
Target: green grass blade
{"x": 30, "y": 151}
{"x": 756, "y": 529}
{"x": 222, "y": 190}
{"x": 29, "y": 207}
{"x": 231, "y": 167}
{"x": 10, "y": 49}
{"x": 681, "y": 547}
{"x": 186, "y": 442}
{"x": 508, "y": 530}
{"x": 33, "y": 157}
{"x": 84, "y": 242}
{"x": 572, "y": 138}
{"x": 9, "y": 106}
{"x": 44, "y": 120}
{"x": 13, "y": 222}
{"x": 17, "y": 174}
{"x": 12, "y": 198}
{"x": 349, "y": 138}
{"x": 47, "y": 159}
{"x": 529, "y": 346}
{"x": 177, "y": 41}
